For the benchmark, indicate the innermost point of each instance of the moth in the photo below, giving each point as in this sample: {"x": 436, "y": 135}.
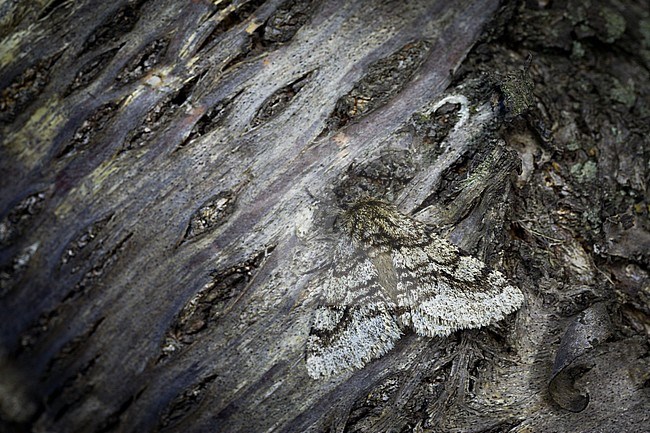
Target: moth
{"x": 389, "y": 274}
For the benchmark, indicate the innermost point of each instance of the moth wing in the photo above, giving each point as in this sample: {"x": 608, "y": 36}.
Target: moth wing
{"x": 441, "y": 289}
{"x": 356, "y": 321}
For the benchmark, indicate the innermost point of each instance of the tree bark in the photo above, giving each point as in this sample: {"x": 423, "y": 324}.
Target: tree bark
{"x": 172, "y": 170}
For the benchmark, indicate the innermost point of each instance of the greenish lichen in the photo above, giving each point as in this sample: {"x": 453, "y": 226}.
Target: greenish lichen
{"x": 614, "y": 24}
{"x": 577, "y": 50}
{"x": 584, "y": 172}
{"x": 573, "y": 145}
{"x": 644, "y": 29}
{"x": 591, "y": 219}
{"x": 623, "y": 93}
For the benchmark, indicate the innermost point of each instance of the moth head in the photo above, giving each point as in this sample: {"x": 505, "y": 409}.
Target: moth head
{"x": 367, "y": 217}
{"x": 375, "y": 222}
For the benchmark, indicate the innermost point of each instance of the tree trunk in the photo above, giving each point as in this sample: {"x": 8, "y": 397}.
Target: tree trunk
{"x": 172, "y": 170}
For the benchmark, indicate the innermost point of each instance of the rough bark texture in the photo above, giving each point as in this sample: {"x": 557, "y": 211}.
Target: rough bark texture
{"x": 171, "y": 170}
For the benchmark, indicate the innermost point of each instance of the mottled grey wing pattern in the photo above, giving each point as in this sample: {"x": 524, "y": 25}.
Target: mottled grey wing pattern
{"x": 356, "y": 321}
{"x": 389, "y": 273}
{"x": 441, "y": 289}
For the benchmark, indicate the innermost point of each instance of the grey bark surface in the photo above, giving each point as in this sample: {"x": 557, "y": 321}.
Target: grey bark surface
{"x": 171, "y": 171}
